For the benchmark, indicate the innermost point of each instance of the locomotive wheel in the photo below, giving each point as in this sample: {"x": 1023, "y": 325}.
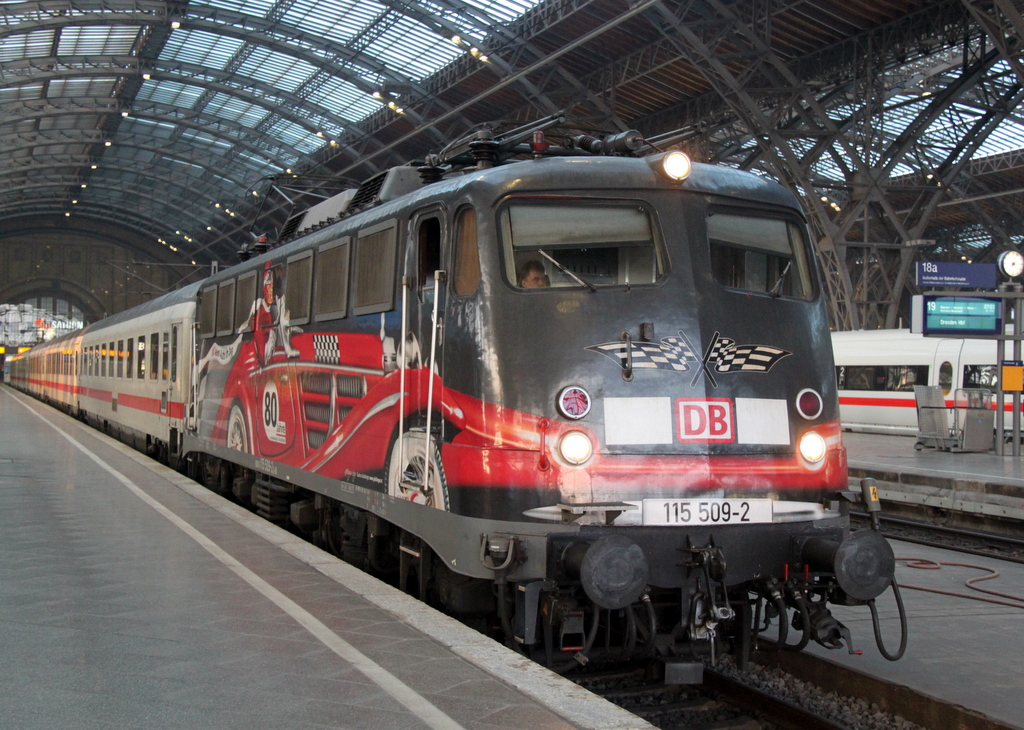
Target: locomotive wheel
{"x": 238, "y": 434}
{"x": 405, "y": 471}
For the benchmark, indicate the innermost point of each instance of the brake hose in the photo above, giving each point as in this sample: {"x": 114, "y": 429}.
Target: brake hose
{"x": 878, "y": 629}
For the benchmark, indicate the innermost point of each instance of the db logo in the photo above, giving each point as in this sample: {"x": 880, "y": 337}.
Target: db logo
{"x": 706, "y": 420}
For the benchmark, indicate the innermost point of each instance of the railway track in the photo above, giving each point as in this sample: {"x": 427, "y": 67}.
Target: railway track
{"x": 726, "y": 700}
{"x": 924, "y": 531}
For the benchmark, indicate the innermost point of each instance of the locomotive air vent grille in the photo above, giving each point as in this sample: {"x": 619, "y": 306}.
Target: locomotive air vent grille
{"x": 351, "y": 386}
{"x": 319, "y": 383}
{"x": 368, "y": 191}
{"x": 291, "y": 225}
{"x": 316, "y": 438}
{"x": 342, "y": 412}
{"x": 319, "y": 412}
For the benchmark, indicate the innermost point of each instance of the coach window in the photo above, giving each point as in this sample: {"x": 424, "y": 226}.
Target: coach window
{"x": 297, "y": 282}
{"x": 174, "y": 353}
{"x": 103, "y": 361}
{"x": 330, "y": 294}
{"x": 165, "y": 351}
{"x": 111, "y": 354}
{"x": 576, "y": 245}
{"x": 467, "y": 253}
{"x": 120, "y": 358}
{"x": 945, "y": 377}
{"x": 245, "y": 297}
{"x": 759, "y": 253}
{"x": 141, "y": 372}
{"x": 373, "y": 280}
{"x": 208, "y": 312}
{"x": 154, "y": 355}
{"x": 226, "y": 308}
{"x": 900, "y": 378}
{"x": 981, "y": 376}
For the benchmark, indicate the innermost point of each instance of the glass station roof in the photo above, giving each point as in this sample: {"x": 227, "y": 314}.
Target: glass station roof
{"x": 206, "y": 98}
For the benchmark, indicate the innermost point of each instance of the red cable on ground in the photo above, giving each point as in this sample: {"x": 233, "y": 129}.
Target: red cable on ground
{"x": 928, "y": 564}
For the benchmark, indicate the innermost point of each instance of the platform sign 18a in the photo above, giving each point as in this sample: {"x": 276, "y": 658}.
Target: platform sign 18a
{"x": 957, "y": 316}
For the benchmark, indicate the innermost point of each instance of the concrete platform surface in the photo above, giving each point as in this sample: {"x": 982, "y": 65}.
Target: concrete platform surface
{"x": 131, "y": 597}
{"x": 962, "y": 648}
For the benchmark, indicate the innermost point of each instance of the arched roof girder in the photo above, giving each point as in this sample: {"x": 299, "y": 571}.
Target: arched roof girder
{"x": 58, "y": 160}
{"x": 92, "y": 136}
{"x": 250, "y": 28}
{"x": 276, "y": 101}
{"x": 67, "y": 289}
{"x": 150, "y": 173}
{"x": 64, "y": 204}
{"x": 118, "y": 233}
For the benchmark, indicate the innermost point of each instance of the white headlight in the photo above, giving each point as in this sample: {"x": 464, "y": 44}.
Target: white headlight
{"x": 676, "y": 165}
{"x": 575, "y": 447}
{"x": 812, "y": 447}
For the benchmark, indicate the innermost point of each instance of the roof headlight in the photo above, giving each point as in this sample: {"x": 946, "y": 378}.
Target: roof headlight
{"x": 575, "y": 447}
{"x": 812, "y": 447}
{"x": 676, "y": 166}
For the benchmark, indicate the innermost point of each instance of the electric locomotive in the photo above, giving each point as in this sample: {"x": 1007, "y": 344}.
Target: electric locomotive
{"x": 561, "y": 385}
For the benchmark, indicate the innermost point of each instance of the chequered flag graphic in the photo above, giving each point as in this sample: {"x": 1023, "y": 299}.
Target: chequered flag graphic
{"x": 747, "y": 358}
{"x": 676, "y": 353}
{"x": 672, "y": 353}
{"x": 326, "y": 350}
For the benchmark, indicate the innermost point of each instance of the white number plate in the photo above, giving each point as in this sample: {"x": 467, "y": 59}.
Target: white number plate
{"x": 707, "y": 511}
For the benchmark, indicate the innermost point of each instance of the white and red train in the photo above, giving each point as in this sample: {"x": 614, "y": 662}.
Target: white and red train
{"x": 571, "y": 391}
{"x": 876, "y": 371}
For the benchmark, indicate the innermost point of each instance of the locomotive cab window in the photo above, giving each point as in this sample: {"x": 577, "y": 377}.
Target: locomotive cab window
{"x": 759, "y": 253}
{"x": 576, "y": 245}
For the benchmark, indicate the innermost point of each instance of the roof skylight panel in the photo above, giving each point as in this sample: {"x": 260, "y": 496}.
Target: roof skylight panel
{"x": 344, "y": 99}
{"x": 276, "y": 69}
{"x": 258, "y": 8}
{"x": 21, "y": 93}
{"x": 84, "y": 87}
{"x": 296, "y": 136}
{"x": 336, "y": 20}
{"x": 503, "y": 10}
{"x": 172, "y": 93}
{"x": 202, "y": 48}
{"x": 96, "y": 40}
{"x": 236, "y": 110}
{"x": 412, "y": 49}
{"x": 34, "y": 44}
{"x": 204, "y": 140}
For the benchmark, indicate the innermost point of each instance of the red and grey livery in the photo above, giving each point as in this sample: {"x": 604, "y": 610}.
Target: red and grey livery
{"x": 646, "y": 442}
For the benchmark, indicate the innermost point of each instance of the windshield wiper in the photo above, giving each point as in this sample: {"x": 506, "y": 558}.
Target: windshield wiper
{"x": 566, "y": 271}
{"x": 778, "y": 284}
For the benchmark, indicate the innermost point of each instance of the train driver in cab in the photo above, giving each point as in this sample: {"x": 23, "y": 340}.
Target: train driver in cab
{"x": 532, "y": 276}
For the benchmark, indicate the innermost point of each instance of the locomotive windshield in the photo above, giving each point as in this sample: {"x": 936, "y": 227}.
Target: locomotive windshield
{"x": 574, "y": 244}
{"x": 759, "y": 253}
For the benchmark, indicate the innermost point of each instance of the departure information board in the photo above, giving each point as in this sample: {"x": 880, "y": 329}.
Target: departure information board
{"x": 958, "y": 316}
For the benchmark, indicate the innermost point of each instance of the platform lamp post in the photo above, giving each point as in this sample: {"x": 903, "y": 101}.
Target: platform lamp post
{"x": 1011, "y": 265}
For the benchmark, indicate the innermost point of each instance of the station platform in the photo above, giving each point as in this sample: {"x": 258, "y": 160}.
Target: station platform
{"x": 131, "y": 597}
{"x": 963, "y": 648}
{"x": 984, "y": 484}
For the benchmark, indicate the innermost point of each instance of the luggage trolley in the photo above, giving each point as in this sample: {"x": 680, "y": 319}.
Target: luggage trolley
{"x": 973, "y": 419}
